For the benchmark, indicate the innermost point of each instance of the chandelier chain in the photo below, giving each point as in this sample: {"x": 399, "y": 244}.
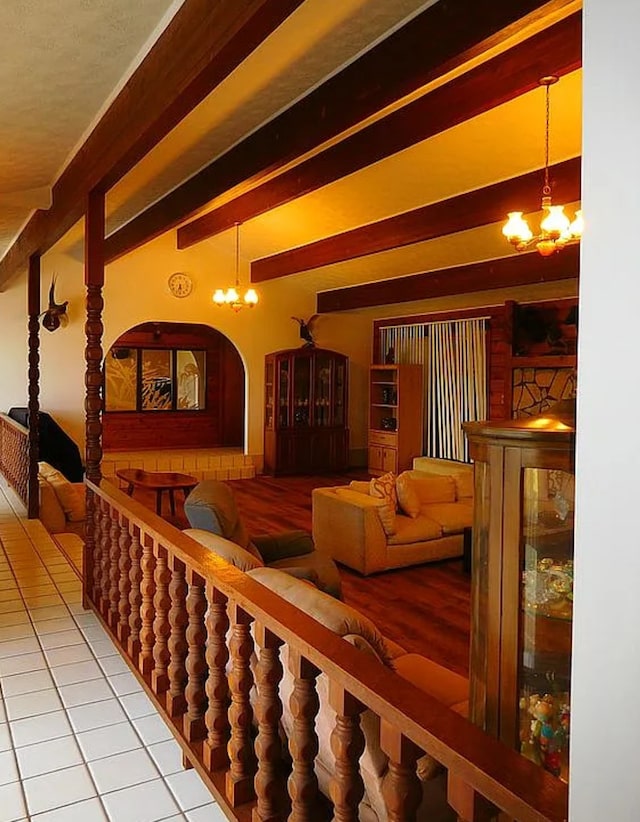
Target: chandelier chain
{"x": 547, "y": 188}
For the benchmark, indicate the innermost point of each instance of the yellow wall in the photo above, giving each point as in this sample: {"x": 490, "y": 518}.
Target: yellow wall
{"x": 136, "y": 291}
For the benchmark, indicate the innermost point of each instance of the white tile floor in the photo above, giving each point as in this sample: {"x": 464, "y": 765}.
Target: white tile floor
{"x": 79, "y": 739}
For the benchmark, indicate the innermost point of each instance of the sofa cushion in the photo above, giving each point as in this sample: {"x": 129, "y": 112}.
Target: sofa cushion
{"x": 362, "y": 486}
{"x": 408, "y": 498}
{"x": 72, "y": 502}
{"x": 334, "y": 615}
{"x": 383, "y": 509}
{"x": 452, "y": 516}
{"x": 51, "y": 513}
{"x": 432, "y": 488}
{"x": 384, "y": 488}
{"x": 446, "y": 686}
{"x": 225, "y": 549}
{"x": 464, "y": 484}
{"x": 420, "y": 529}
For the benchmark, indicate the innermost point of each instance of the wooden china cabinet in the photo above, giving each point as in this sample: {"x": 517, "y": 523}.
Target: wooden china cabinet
{"x": 305, "y": 411}
{"x": 522, "y": 583}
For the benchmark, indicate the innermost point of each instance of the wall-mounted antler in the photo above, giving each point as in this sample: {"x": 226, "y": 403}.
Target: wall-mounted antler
{"x": 56, "y": 313}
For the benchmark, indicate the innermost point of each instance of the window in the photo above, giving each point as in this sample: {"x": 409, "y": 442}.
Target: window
{"x": 154, "y": 379}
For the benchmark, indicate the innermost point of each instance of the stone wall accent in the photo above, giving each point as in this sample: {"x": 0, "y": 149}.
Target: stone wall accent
{"x": 536, "y": 389}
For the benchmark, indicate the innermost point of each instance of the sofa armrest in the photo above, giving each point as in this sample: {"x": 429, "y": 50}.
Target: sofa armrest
{"x": 444, "y": 685}
{"x": 284, "y": 545}
{"x": 349, "y": 529}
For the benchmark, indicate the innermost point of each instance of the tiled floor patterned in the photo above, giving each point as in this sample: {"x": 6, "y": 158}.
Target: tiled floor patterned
{"x": 79, "y": 739}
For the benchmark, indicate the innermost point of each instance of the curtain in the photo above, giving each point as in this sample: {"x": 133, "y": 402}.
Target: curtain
{"x": 453, "y": 355}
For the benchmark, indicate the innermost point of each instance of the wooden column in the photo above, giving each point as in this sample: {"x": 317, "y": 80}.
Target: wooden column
{"x": 94, "y": 281}
{"x": 214, "y": 750}
{"x": 303, "y": 742}
{"x": 33, "y": 308}
{"x": 401, "y": 790}
{"x": 239, "y": 778}
{"x": 347, "y": 744}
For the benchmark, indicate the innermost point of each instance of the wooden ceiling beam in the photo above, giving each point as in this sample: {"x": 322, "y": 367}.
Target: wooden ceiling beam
{"x": 443, "y": 37}
{"x": 475, "y": 208}
{"x": 556, "y": 50}
{"x": 202, "y": 45}
{"x": 506, "y": 272}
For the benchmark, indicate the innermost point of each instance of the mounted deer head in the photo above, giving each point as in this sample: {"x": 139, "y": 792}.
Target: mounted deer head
{"x": 56, "y": 314}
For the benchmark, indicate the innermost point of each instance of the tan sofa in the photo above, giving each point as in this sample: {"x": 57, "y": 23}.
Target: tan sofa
{"x": 62, "y": 503}
{"x": 348, "y": 522}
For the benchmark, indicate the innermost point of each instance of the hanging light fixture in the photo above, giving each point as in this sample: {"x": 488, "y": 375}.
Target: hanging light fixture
{"x": 556, "y": 230}
{"x": 231, "y": 297}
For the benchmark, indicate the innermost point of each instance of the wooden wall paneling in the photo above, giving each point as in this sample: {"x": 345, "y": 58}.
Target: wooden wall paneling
{"x": 202, "y": 44}
{"x": 475, "y": 208}
{"x": 33, "y": 310}
{"x": 504, "y": 272}
{"x": 500, "y": 79}
{"x": 212, "y": 427}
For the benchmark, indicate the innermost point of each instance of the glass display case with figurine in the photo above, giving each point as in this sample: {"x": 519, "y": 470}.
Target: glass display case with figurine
{"x": 306, "y": 413}
{"x": 522, "y": 582}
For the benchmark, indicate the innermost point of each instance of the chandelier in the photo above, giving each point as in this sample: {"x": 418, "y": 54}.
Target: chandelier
{"x": 231, "y": 297}
{"x": 556, "y": 230}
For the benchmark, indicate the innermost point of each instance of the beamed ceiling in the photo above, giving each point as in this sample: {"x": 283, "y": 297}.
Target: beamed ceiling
{"x": 356, "y": 142}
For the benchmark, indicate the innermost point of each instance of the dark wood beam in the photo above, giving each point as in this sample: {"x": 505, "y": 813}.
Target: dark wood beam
{"x": 475, "y": 208}
{"x": 441, "y": 38}
{"x": 505, "y": 272}
{"x": 556, "y": 50}
{"x": 202, "y": 45}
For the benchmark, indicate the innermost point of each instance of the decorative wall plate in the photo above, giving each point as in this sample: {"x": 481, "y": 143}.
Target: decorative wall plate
{"x": 180, "y": 285}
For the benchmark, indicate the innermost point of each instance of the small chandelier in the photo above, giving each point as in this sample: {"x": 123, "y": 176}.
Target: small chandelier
{"x": 231, "y": 297}
{"x": 556, "y": 230}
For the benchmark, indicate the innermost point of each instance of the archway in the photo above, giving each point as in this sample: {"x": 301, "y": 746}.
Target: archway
{"x": 173, "y": 385}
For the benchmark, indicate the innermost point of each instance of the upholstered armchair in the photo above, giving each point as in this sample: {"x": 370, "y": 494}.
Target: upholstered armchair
{"x": 211, "y": 507}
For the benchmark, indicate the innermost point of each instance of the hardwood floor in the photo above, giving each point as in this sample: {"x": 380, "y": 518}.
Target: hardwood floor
{"x": 425, "y": 608}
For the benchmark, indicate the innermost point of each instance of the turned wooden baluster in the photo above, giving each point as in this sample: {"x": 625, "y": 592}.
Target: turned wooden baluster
{"x": 89, "y": 551}
{"x": 401, "y": 788}
{"x": 194, "y": 727}
{"x": 269, "y": 782}
{"x": 161, "y": 627}
{"x": 467, "y": 803}
{"x": 135, "y": 596}
{"x": 147, "y": 590}
{"x": 105, "y": 542}
{"x": 124, "y": 583}
{"x": 303, "y": 743}
{"x": 347, "y": 744}
{"x": 214, "y": 750}
{"x": 239, "y": 777}
{"x": 178, "y": 619}
{"x": 114, "y": 570}
{"x": 97, "y": 548}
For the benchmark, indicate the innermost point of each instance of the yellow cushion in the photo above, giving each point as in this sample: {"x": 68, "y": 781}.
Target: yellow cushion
{"x": 384, "y": 488}
{"x": 407, "y": 495}
{"x": 452, "y": 516}
{"x": 464, "y": 484}
{"x": 72, "y": 502}
{"x": 447, "y": 687}
{"x": 410, "y": 530}
{"x": 362, "y": 486}
{"x": 434, "y": 488}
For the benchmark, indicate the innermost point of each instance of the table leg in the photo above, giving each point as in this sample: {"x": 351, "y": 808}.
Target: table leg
{"x": 159, "y": 502}
{"x": 130, "y": 489}
{"x": 172, "y": 502}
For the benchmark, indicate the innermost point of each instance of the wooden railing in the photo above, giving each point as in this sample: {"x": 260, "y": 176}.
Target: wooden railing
{"x": 188, "y": 624}
{"x": 14, "y": 455}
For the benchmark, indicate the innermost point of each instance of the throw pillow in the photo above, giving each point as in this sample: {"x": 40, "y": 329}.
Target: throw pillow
{"x": 384, "y": 488}
{"x": 432, "y": 488}
{"x": 72, "y": 502}
{"x": 407, "y": 495}
{"x": 464, "y": 484}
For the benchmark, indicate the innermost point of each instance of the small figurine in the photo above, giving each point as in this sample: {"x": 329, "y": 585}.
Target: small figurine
{"x": 306, "y": 329}
{"x": 390, "y": 357}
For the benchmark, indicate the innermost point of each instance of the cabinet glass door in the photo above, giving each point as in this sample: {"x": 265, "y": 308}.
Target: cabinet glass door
{"x": 283, "y": 394}
{"x": 339, "y": 400}
{"x": 268, "y": 394}
{"x": 545, "y": 618}
{"x": 301, "y": 391}
{"x": 322, "y": 390}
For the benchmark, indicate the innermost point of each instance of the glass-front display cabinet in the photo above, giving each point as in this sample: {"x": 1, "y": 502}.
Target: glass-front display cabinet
{"x": 522, "y": 583}
{"x": 305, "y": 411}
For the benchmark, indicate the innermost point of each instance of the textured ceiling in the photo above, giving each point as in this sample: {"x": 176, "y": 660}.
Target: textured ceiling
{"x": 61, "y": 60}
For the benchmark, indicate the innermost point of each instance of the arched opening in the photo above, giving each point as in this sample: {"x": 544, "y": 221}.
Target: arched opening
{"x": 173, "y": 385}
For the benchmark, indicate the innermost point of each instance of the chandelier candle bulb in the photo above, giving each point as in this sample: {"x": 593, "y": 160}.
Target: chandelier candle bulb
{"x": 231, "y": 296}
